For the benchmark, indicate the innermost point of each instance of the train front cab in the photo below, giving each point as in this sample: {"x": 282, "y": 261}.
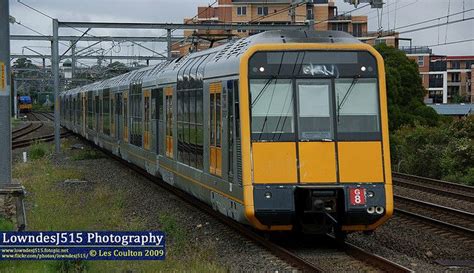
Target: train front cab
{"x": 315, "y": 151}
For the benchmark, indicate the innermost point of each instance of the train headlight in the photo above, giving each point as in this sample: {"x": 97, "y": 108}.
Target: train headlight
{"x": 370, "y": 194}
{"x": 379, "y": 210}
{"x": 261, "y": 69}
{"x": 363, "y": 68}
{"x": 268, "y": 195}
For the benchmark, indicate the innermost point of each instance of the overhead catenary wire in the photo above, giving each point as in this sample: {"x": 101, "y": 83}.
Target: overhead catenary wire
{"x": 453, "y": 42}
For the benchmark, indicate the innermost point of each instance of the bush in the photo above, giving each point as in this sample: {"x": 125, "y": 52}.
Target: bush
{"x": 38, "y": 150}
{"x": 444, "y": 152}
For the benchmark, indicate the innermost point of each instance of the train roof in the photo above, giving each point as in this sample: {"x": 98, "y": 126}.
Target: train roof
{"x": 219, "y": 61}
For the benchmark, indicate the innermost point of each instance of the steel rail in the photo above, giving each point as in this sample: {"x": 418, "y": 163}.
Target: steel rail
{"x": 28, "y": 142}
{"x": 439, "y": 187}
{"x": 435, "y": 222}
{"x": 371, "y": 258}
{"x": 27, "y": 132}
{"x": 22, "y": 128}
{"x": 443, "y": 211}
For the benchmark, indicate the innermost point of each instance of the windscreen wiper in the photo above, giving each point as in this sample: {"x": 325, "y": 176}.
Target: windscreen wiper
{"x": 355, "y": 79}
{"x": 267, "y": 83}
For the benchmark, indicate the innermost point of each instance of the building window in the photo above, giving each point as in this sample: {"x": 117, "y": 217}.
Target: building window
{"x": 380, "y": 41}
{"x": 262, "y": 10}
{"x": 357, "y": 30}
{"x": 455, "y": 65}
{"x": 421, "y": 61}
{"x": 436, "y": 81}
{"x": 340, "y": 27}
{"x": 310, "y": 14}
{"x": 241, "y": 11}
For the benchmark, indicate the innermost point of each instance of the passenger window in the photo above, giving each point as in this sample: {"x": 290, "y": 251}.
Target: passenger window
{"x": 272, "y": 110}
{"x": 314, "y": 110}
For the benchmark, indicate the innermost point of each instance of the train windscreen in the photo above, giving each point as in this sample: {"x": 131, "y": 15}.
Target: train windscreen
{"x": 312, "y": 95}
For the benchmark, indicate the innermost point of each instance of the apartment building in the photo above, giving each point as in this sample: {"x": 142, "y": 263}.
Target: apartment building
{"x": 448, "y": 79}
{"x": 460, "y": 71}
{"x": 321, "y": 14}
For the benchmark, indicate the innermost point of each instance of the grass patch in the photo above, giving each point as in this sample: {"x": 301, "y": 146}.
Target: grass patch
{"x": 39, "y": 150}
{"x": 15, "y": 122}
{"x": 6, "y": 225}
{"x": 52, "y": 205}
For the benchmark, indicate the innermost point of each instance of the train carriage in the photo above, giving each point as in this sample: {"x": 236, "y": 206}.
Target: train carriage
{"x": 281, "y": 130}
{"x": 25, "y": 104}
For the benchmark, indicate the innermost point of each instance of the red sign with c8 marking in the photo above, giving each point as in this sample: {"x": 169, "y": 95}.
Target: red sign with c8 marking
{"x": 357, "y": 196}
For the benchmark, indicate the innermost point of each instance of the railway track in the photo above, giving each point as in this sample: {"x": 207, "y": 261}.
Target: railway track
{"x": 26, "y": 131}
{"x": 32, "y": 127}
{"x": 459, "y": 221}
{"x": 369, "y": 260}
{"x": 438, "y": 187}
{"x": 30, "y": 141}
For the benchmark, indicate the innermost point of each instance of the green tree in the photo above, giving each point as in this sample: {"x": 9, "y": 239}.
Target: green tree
{"x": 405, "y": 91}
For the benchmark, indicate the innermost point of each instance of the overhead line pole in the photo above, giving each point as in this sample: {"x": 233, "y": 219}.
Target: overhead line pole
{"x": 5, "y": 82}
{"x": 55, "y": 67}
{"x": 8, "y": 188}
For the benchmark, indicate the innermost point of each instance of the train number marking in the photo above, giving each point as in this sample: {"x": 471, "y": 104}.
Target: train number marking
{"x": 357, "y": 196}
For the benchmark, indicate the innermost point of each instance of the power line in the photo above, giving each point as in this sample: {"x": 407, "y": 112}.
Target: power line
{"x": 437, "y": 25}
{"x": 447, "y": 20}
{"x": 427, "y": 27}
{"x": 38, "y": 11}
{"x": 453, "y": 42}
{"x": 433, "y": 19}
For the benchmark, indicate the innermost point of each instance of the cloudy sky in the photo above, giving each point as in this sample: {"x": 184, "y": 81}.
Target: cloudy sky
{"x": 396, "y": 14}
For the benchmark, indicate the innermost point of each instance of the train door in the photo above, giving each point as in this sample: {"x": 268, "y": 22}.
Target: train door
{"x": 97, "y": 113}
{"x": 169, "y": 121}
{"x": 118, "y": 115}
{"x": 146, "y": 119}
{"x": 125, "y": 116}
{"x": 84, "y": 113}
{"x": 112, "y": 116}
{"x": 156, "y": 118}
{"x": 215, "y": 114}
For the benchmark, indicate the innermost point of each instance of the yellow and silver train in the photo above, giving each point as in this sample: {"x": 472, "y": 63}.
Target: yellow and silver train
{"x": 283, "y": 131}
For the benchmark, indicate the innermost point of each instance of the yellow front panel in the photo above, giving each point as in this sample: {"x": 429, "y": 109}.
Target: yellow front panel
{"x": 360, "y": 162}
{"x": 274, "y": 162}
{"x": 317, "y": 162}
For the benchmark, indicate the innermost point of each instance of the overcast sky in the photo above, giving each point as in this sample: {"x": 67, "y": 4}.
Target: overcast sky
{"x": 397, "y": 13}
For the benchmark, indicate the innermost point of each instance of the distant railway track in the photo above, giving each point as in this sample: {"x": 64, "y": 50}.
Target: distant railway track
{"x": 359, "y": 255}
{"x": 43, "y": 116}
{"x": 22, "y": 128}
{"x": 26, "y": 131}
{"x": 33, "y": 117}
{"x": 439, "y": 187}
{"x": 454, "y": 220}
{"x": 28, "y": 142}
{"x": 32, "y": 127}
